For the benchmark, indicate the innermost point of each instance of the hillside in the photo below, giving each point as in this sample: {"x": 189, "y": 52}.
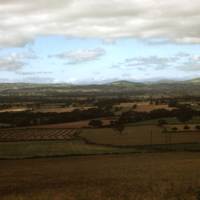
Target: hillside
{"x": 195, "y": 81}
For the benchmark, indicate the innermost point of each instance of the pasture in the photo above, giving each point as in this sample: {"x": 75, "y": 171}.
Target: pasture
{"x": 39, "y": 149}
{"x": 139, "y": 135}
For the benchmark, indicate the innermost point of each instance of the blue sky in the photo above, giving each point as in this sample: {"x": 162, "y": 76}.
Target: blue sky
{"x": 88, "y": 47}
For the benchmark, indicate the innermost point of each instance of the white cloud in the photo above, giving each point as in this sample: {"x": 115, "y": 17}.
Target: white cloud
{"x": 21, "y": 21}
{"x": 82, "y": 55}
{"x": 11, "y": 63}
{"x": 182, "y": 61}
{"x": 15, "y": 61}
{"x": 152, "y": 61}
{"x": 25, "y": 73}
{"x": 36, "y": 79}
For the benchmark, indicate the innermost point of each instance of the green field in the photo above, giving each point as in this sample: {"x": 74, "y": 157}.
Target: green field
{"x": 19, "y": 150}
{"x": 169, "y": 120}
{"x": 139, "y": 135}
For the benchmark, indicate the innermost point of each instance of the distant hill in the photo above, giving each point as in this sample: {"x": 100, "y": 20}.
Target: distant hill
{"x": 196, "y": 81}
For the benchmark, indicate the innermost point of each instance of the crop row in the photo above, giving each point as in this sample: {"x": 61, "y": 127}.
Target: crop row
{"x": 35, "y": 134}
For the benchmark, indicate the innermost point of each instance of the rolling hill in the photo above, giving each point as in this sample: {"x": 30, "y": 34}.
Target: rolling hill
{"x": 174, "y": 88}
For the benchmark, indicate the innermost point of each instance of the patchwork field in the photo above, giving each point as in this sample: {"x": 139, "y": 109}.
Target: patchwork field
{"x": 61, "y": 109}
{"x": 159, "y": 176}
{"x": 45, "y": 109}
{"x": 146, "y": 107}
{"x": 46, "y": 142}
{"x": 13, "y": 110}
{"x": 143, "y": 106}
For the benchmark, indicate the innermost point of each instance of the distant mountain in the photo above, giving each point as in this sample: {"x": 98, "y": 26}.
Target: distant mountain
{"x": 126, "y": 83}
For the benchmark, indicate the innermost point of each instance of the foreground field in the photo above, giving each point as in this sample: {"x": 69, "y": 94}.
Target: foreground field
{"x": 158, "y": 176}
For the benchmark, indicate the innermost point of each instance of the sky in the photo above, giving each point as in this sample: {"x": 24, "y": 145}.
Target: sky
{"x": 99, "y": 41}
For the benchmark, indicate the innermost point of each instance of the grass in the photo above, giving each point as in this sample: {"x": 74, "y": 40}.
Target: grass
{"x": 169, "y": 120}
{"x": 19, "y": 150}
{"x": 157, "y": 176}
{"x": 139, "y": 135}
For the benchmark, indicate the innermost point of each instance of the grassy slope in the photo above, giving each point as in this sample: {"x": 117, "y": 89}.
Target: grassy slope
{"x": 19, "y": 150}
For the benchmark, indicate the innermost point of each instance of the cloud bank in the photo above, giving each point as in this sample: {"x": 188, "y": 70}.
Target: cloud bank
{"x": 21, "y": 21}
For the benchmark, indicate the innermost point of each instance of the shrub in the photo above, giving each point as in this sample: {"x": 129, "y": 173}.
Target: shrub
{"x": 197, "y": 127}
{"x": 95, "y": 123}
{"x": 186, "y": 127}
{"x": 118, "y": 126}
{"x": 174, "y": 129}
{"x": 161, "y": 122}
{"x": 134, "y": 106}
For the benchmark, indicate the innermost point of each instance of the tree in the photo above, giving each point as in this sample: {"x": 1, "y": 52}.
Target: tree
{"x": 174, "y": 129}
{"x": 161, "y": 122}
{"x": 134, "y": 106}
{"x": 184, "y": 115}
{"x": 197, "y": 127}
{"x": 95, "y": 123}
{"x": 172, "y": 103}
{"x": 118, "y": 126}
{"x": 186, "y": 127}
